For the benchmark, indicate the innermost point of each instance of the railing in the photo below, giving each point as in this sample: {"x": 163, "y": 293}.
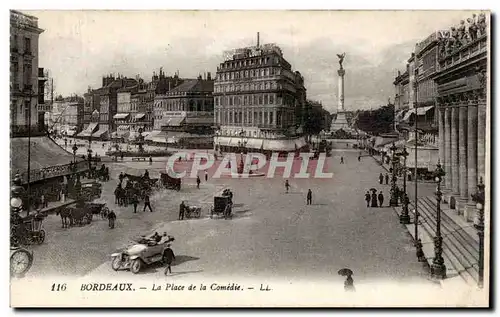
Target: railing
{"x": 52, "y": 171}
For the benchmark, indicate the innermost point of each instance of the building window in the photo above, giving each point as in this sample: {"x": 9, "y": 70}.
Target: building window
{"x": 261, "y": 100}
{"x": 246, "y": 73}
{"x": 267, "y": 86}
{"x": 261, "y": 73}
{"x": 255, "y": 99}
{"x": 271, "y": 99}
{"x": 27, "y": 45}
{"x": 271, "y": 118}
{"x": 250, "y": 100}
{"x": 266, "y": 99}
{"x": 267, "y": 71}
{"x": 265, "y": 117}
{"x": 241, "y": 74}
{"x": 244, "y": 100}
{"x": 232, "y": 75}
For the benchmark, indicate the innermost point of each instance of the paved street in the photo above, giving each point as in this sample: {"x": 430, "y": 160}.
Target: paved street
{"x": 272, "y": 233}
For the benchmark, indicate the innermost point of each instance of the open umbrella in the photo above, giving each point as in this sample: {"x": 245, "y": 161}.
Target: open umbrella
{"x": 345, "y": 272}
{"x": 373, "y": 190}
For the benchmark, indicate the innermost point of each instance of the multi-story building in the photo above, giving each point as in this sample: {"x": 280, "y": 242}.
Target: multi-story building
{"x": 24, "y": 85}
{"x": 187, "y": 114}
{"x": 43, "y": 107}
{"x": 165, "y": 84}
{"x": 258, "y": 101}
{"x": 69, "y": 115}
{"x": 109, "y": 100}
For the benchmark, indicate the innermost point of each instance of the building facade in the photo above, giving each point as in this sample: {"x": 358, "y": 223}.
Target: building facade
{"x": 165, "y": 84}
{"x": 24, "y": 84}
{"x": 259, "y": 101}
{"x": 462, "y": 97}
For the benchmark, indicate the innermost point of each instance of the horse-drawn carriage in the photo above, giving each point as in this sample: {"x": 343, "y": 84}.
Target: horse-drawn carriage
{"x": 81, "y": 214}
{"x": 90, "y": 190}
{"x": 170, "y": 182}
{"x": 223, "y": 205}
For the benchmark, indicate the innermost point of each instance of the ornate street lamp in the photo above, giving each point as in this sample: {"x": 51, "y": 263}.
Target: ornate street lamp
{"x": 438, "y": 269}
{"x": 404, "y": 218}
{"x": 417, "y": 214}
{"x": 394, "y": 195}
{"x": 478, "y": 198}
{"x": 74, "y": 148}
{"x": 16, "y": 193}
{"x": 89, "y": 156}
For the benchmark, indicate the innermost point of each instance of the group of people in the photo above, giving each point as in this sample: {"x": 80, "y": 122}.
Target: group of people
{"x": 133, "y": 192}
{"x": 374, "y": 200}
{"x": 308, "y": 196}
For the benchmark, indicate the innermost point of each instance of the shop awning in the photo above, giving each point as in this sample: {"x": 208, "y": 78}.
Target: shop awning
{"x": 151, "y": 135}
{"x": 48, "y": 159}
{"x": 408, "y": 114}
{"x": 279, "y": 145}
{"x": 120, "y": 116}
{"x": 399, "y": 115}
{"x": 223, "y": 141}
{"x": 139, "y": 116}
{"x": 254, "y": 143}
{"x": 70, "y": 132}
{"x": 175, "y": 122}
{"x": 422, "y": 111}
{"x": 92, "y": 127}
{"x": 101, "y": 132}
{"x": 300, "y": 143}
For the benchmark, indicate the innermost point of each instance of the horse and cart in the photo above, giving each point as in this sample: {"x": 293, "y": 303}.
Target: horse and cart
{"x": 82, "y": 214}
{"x": 27, "y": 230}
{"x": 170, "y": 182}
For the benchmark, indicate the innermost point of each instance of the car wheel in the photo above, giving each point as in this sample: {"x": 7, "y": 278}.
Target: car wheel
{"x": 116, "y": 264}
{"x": 136, "y": 266}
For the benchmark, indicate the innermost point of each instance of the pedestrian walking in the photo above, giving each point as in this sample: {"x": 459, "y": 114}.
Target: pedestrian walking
{"x": 43, "y": 201}
{"x": 359, "y": 158}
{"x": 309, "y": 197}
{"x": 147, "y": 204}
{"x": 287, "y": 185}
{"x": 111, "y": 219}
{"x": 168, "y": 258}
{"x": 349, "y": 284}
{"x": 182, "y": 207}
{"x": 381, "y": 178}
{"x": 386, "y": 179}
{"x": 121, "y": 156}
{"x": 374, "y": 199}
{"x": 380, "y": 199}
{"x": 341, "y": 160}
{"x": 367, "y": 198}
{"x": 117, "y": 194}
{"x": 135, "y": 202}
{"x": 206, "y": 176}
{"x": 150, "y": 160}
{"x": 198, "y": 181}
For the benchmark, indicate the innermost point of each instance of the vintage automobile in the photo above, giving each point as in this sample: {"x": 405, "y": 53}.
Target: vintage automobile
{"x": 91, "y": 190}
{"x": 144, "y": 251}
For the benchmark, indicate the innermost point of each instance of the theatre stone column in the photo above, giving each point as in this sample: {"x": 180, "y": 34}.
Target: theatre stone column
{"x": 447, "y": 145}
{"x": 454, "y": 154}
{"x": 471, "y": 156}
{"x": 440, "y": 112}
{"x": 481, "y": 136}
{"x": 462, "y": 152}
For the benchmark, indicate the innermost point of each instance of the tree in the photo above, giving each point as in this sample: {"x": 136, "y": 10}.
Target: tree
{"x": 378, "y": 121}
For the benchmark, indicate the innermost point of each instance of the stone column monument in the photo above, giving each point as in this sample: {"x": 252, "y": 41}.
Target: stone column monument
{"x": 341, "y": 120}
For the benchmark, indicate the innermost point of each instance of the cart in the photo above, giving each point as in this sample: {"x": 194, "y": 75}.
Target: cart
{"x": 222, "y": 207}
{"x": 170, "y": 182}
{"x": 192, "y": 209}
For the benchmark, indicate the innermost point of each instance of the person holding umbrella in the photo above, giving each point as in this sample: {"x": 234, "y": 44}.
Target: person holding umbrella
{"x": 349, "y": 282}
{"x": 381, "y": 179}
{"x": 367, "y": 198}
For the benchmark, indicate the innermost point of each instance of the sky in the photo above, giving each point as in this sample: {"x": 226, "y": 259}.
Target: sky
{"x": 79, "y": 47}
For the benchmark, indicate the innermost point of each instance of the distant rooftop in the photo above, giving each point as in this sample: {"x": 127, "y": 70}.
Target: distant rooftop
{"x": 251, "y": 51}
{"x": 21, "y": 19}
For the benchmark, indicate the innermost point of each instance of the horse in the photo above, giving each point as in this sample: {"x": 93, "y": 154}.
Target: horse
{"x": 104, "y": 212}
{"x": 80, "y": 215}
{"x": 66, "y": 216}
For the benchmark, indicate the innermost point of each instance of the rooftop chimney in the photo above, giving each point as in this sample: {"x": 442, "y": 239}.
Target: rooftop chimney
{"x": 258, "y": 39}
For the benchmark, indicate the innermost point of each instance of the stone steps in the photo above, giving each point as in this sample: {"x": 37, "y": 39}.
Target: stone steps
{"x": 459, "y": 248}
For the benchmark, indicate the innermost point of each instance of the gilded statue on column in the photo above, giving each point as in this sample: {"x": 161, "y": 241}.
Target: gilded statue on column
{"x": 341, "y": 59}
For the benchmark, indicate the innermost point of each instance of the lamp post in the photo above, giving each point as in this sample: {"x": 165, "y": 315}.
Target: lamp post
{"x": 438, "y": 269}
{"x": 74, "y": 148}
{"x": 404, "y": 218}
{"x": 16, "y": 194}
{"x": 89, "y": 156}
{"x": 394, "y": 195}
{"x": 415, "y": 86}
{"x": 478, "y": 198}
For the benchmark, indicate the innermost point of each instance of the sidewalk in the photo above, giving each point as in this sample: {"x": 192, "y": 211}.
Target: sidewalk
{"x": 454, "y": 276}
